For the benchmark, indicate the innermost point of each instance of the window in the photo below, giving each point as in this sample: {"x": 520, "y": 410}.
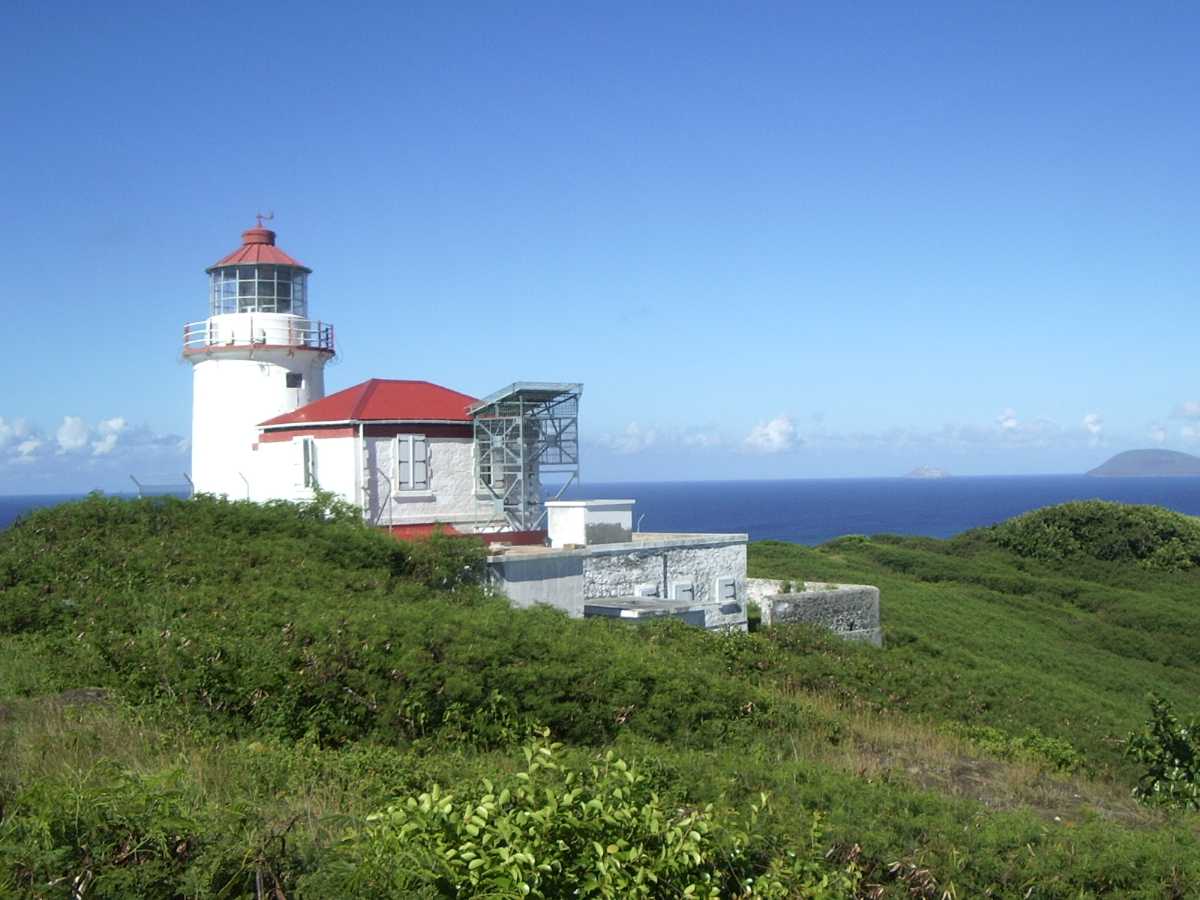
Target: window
{"x": 294, "y": 379}
{"x": 684, "y": 591}
{"x": 411, "y": 454}
{"x": 264, "y": 288}
{"x": 306, "y": 462}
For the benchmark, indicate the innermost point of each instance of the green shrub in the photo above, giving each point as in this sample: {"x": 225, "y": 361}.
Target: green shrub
{"x": 1150, "y": 536}
{"x": 286, "y": 620}
{"x": 556, "y": 831}
{"x": 445, "y": 562}
{"x": 1031, "y": 746}
{"x": 111, "y": 833}
{"x": 1168, "y": 750}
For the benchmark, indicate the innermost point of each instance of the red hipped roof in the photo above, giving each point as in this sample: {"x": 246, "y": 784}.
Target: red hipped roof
{"x": 258, "y": 246}
{"x": 383, "y": 400}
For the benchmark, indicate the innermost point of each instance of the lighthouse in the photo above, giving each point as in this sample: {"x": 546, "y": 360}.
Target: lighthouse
{"x": 258, "y": 355}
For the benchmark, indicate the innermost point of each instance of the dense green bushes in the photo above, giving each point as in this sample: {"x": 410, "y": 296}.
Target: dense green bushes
{"x": 1149, "y": 536}
{"x": 268, "y": 617}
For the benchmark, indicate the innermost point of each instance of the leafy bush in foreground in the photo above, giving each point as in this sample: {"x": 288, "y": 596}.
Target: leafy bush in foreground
{"x": 1170, "y": 751}
{"x": 555, "y": 831}
{"x": 1150, "y": 536}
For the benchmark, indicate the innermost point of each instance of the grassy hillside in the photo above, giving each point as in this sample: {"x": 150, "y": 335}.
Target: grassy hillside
{"x": 1061, "y": 621}
{"x": 213, "y": 699}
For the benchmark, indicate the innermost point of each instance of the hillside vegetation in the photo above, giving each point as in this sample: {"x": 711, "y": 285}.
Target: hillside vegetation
{"x": 210, "y": 699}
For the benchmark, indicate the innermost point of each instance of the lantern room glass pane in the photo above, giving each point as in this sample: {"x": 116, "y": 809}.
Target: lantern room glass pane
{"x": 263, "y": 288}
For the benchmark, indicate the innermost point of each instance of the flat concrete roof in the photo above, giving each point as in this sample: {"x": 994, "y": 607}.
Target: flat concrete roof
{"x": 642, "y": 541}
{"x": 590, "y": 504}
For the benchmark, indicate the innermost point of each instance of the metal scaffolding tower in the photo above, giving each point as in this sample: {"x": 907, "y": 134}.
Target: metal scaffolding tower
{"x": 522, "y": 432}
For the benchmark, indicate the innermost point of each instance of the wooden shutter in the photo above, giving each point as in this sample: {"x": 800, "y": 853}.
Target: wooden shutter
{"x": 420, "y": 463}
{"x": 309, "y": 461}
{"x": 403, "y": 462}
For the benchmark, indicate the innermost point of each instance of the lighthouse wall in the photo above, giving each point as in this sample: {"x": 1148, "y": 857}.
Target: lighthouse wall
{"x": 233, "y": 390}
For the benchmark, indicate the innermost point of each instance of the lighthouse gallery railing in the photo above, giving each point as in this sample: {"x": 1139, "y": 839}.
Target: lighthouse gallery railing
{"x": 253, "y": 331}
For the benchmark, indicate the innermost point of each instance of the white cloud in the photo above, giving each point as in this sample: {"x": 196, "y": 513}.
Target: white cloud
{"x": 13, "y": 430}
{"x": 776, "y": 436}
{"x": 1188, "y": 409}
{"x": 76, "y": 455}
{"x": 634, "y": 439}
{"x": 72, "y": 434}
{"x": 108, "y": 430}
{"x": 701, "y": 438}
{"x": 1158, "y": 433}
{"x": 1007, "y": 420}
{"x": 1190, "y": 432}
{"x": 1093, "y": 424}
{"x": 27, "y": 449}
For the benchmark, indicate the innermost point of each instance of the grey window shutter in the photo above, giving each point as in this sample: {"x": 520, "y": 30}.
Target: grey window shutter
{"x": 684, "y": 591}
{"x": 420, "y": 463}
{"x": 403, "y": 462}
{"x": 726, "y": 590}
{"x": 310, "y": 462}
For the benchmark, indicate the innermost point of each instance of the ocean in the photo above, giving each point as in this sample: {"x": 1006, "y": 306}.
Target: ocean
{"x": 812, "y": 511}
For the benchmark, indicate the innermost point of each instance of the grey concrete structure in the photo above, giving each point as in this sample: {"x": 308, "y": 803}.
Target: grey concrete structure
{"x": 644, "y": 609}
{"x": 849, "y": 610}
{"x": 706, "y": 571}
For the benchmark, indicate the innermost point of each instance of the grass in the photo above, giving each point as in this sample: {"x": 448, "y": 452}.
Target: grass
{"x": 212, "y": 699}
{"x": 978, "y": 636}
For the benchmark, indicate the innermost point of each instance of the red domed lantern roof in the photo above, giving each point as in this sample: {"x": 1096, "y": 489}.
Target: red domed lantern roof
{"x": 258, "y": 246}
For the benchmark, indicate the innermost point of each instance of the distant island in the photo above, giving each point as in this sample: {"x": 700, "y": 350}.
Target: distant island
{"x": 927, "y": 472}
{"x": 1148, "y": 463}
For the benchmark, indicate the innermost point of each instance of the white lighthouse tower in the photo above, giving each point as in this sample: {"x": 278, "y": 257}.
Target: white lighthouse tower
{"x": 256, "y": 356}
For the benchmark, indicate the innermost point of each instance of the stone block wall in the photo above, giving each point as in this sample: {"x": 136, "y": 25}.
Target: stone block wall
{"x": 627, "y": 568}
{"x": 848, "y": 610}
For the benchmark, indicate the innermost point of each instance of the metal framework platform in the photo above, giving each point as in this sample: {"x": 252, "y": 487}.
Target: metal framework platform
{"x": 522, "y": 432}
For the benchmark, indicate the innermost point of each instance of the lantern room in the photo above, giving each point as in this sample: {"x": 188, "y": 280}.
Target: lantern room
{"x": 258, "y": 277}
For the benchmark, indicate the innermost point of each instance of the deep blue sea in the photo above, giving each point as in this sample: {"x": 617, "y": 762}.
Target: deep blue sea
{"x": 811, "y": 511}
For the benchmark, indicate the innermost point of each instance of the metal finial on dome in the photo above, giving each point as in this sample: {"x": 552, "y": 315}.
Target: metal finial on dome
{"x": 267, "y": 217}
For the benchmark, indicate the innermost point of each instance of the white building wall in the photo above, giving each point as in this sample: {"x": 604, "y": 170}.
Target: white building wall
{"x": 451, "y": 496}
{"x": 278, "y": 472}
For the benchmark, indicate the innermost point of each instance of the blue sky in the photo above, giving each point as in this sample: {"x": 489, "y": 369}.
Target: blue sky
{"x": 773, "y": 240}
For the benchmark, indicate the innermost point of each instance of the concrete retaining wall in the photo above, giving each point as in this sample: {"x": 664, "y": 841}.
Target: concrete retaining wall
{"x": 849, "y": 610}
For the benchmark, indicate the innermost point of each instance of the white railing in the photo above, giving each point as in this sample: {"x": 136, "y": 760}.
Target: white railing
{"x": 257, "y": 331}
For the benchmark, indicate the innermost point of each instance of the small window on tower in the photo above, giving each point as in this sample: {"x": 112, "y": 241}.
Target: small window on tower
{"x": 294, "y": 379}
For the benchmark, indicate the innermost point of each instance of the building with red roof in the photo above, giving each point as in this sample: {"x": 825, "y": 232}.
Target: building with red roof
{"x": 417, "y": 457}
